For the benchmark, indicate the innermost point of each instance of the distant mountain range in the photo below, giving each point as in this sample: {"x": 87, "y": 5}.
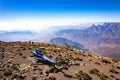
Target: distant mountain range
{"x": 107, "y": 30}
{"x": 100, "y": 39}
{"x": 16, "y": 35}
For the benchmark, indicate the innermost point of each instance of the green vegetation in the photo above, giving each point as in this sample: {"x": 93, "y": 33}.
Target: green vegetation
{"x": 94, "y": 71}
{"x": 16, "y": 63}
{"x": 113, "y": 71}
{"x": 118, "y": 67}
{"x": 97, "y": 63}
{"x": 7, "y": 73}
{"x": 112, "y": 76}
{"x": 83, "y": 76}
{"x": 104, "y": 77}
{"x": 52, "y": 69}
{"x": 78, "y": 59}
{"x": 18, "y": 76}
{"x": 65, "y": 67}
{"x": 61, "y": 62}
{"x": 34, "y": 78}
{"x": 105, "y": 61}
{"x": 51, "y": 78}
{"x": 67, "y": 76}
{"x": 99, "y": 74}
{"x": 117, "y": 79}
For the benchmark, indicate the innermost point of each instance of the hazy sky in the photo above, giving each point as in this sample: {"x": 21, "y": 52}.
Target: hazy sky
{"x": 41, "y": 14}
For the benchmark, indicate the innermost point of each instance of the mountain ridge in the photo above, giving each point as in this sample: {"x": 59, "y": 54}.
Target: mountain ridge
{"x": 94, "y": 36}
{"x": 74, "y": 64}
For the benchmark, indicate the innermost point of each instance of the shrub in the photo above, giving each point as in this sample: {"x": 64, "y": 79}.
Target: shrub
{"x": 65, "y": 67}
{"x": 1, "y": 77}
{"x": 24, "y": 57}
{"x": 61, "y": 62}
{"x": 94, "y": 71}
{"x": 97, "y": 63}
{"x": 114, "y": 60}
{"x": 117, "y": 79}
{"x": 18, "y": 76}
{"x": 90, "y": 55}
{"x": 83, "y": 76}
{"x": 52, "y": 69}
{"x": 67, "y": 76}
{"x": 34, "y": 78}
{"x": 20, "y": 54}
{"x": 97, "y": 72}
{"x": 112, "y": 76}
{"x": 105, "y": 61}
{"x": 23, "y": 48}
{"x": 78, "y": 59}
{"x": 104, "y": 77}
{"x": 8, "y": 73}
{"x": 51, "y": 78}
{"x": 14, "y": 67}
{"x": 118, "y": 67}
{"x": 77, "y": 64}
{"x": 113, "y": 71}
{"x": 90, "y": 60}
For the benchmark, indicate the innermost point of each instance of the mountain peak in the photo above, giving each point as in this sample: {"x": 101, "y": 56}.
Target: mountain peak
{"x": 74, "y": 64}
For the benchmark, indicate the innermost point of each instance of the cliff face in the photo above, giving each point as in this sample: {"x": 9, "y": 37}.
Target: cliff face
{"x": 74, "y": 64}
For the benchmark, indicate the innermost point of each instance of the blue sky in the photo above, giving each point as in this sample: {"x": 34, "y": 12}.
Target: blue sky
{"x": 55, "y": 6}
{"x": 56, "y": 12}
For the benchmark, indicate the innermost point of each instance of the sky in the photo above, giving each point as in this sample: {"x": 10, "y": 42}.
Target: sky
{"x": 44, "y": 14}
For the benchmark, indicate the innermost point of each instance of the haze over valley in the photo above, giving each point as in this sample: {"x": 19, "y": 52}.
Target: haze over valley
{"x": 99, "y": 38}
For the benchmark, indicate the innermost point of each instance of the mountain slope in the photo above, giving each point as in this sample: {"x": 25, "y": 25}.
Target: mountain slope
{"x": 72, "y": 64}
{"x": 66, "y": 42}
{"x": 95, "y": 36}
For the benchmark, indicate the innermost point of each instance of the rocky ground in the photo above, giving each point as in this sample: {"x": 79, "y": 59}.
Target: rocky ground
{"x": 72, "y": 64}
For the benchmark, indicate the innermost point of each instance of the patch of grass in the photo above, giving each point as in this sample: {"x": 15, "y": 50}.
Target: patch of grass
{"x": 117, "y": 79}
{"x": 51, "y": 70}
{"x": 113, "y": 71}
{"x": 65, "y": 67}
{"x": 118, "y": 67}
{"x": 104, "y": 77}
{"x": 99, "y": 74}
{"x": 94, "y": 71}
{"x": 20, "y": 54}
{"x": 114, "y": 60}
{"x": 24, "y": 57}
{"x": 78, "y": 59}
{"x": 34, "y": 78}
{"x": 14, "y": 67}
{"x": 7, "y": 73}
{"x": 61, "y": 62}
{"x": 83, "y": 76}
{"x": 90, "y": 55}
{"x": 23, "y": 48}
{"x": 18, "y": 76}
{"x": 112, "y": 76}
{"x": 97, "y": 63}
{"x": 51, "y": 78}
{"x": 67, "y": 76}
{"x": 105, "y": 61}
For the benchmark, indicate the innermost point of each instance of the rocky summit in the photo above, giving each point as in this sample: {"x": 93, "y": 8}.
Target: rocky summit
{"x": 72, "y": 64}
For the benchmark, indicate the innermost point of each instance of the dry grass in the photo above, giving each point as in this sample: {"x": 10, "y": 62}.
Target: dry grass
{"x": 15, "y": 63}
